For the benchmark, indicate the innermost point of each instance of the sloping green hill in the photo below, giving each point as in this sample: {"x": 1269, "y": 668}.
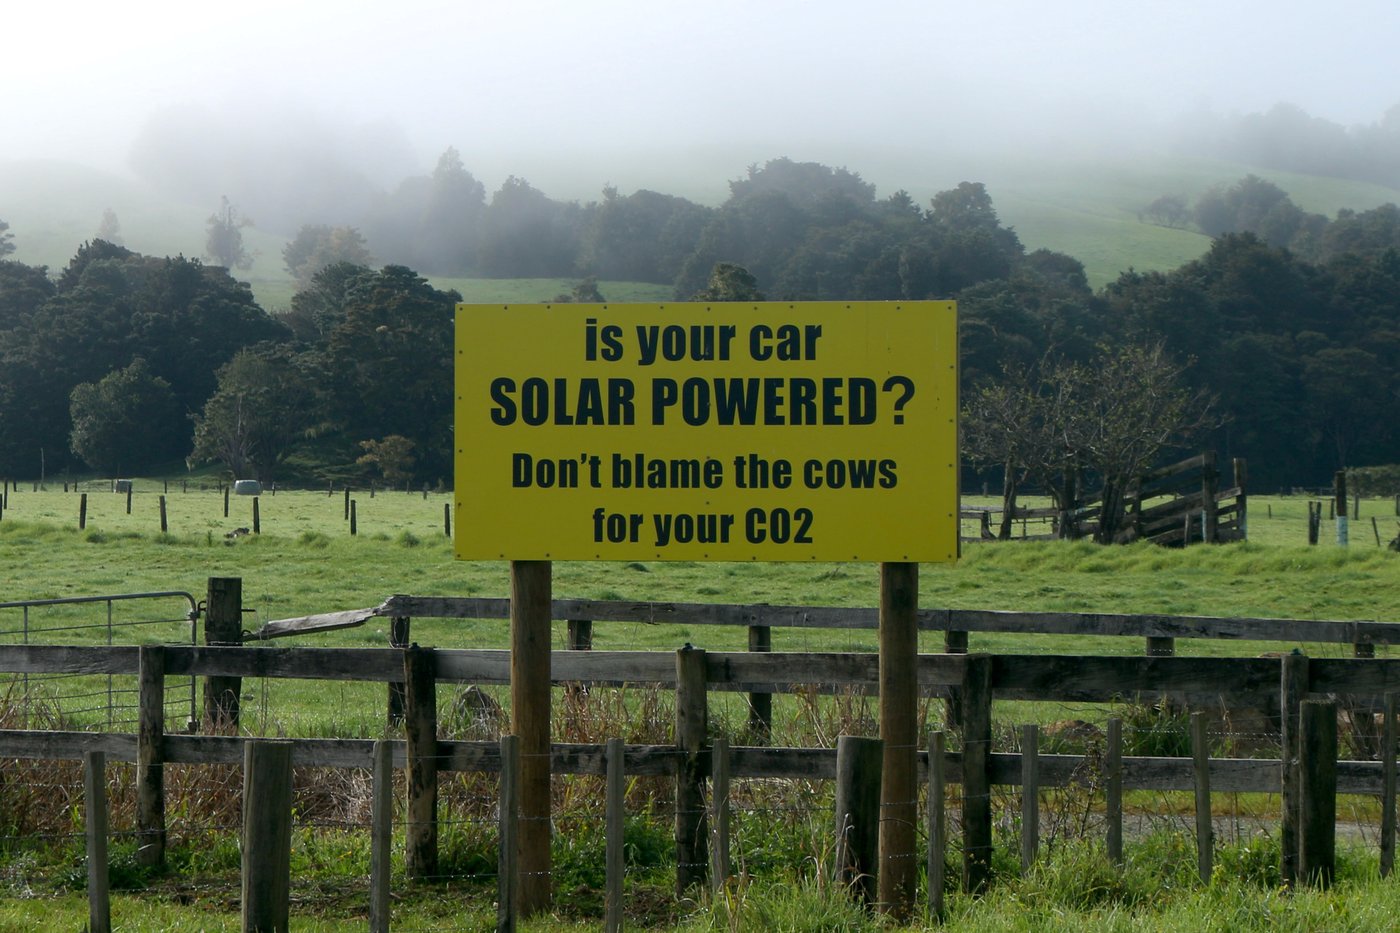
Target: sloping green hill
{"x": 1089, "y": 209}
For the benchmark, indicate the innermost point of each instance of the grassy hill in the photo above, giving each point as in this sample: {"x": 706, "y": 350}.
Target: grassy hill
{"x": 1086, "y": 207}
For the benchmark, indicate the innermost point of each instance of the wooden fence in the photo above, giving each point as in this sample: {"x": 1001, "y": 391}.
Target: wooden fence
{"x": 1175, "y": 505}
{"x": 1286, "y": 683}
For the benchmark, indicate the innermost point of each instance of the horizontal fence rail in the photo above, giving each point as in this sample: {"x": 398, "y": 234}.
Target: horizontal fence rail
{"x": 1302, "y": 631}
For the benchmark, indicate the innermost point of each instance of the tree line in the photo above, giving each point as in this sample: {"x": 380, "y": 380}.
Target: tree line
{"x": 122, "y": 362}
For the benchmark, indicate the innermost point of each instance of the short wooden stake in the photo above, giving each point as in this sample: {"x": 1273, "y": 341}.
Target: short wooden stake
{"x": 859, "y": 763}
{"x": 447, "y": 519}
{"x": 128, "y": 500}
{"x": 257, "y": 517}
{"x": 508, "y": 880}
{"x": 381, "y": 838}
{"x": 760, "y": 702}
{"x": 719, "y": 814}
{"x": 615, "y": 821}
{"x": 399, "y": 627}
{"x": 1293, "y": 687}
{"x": 82, "y": 511}
{"x": 1113, "y": 784}
{"x": 977, "y": 788}
{"x": 164, "y": 524}
{"x": 267, "y": 835}
{"x": 1030, "y": 795}
{"x": 95, "y": 818}
{"x": 353, "y": 522}
{"x": 226, "y": 491}
{"x": 1317, "y": 830}
{"x": 1200, "y": 769}
{"x": 1387, "y": 757}
{"x": 937, "y": 825}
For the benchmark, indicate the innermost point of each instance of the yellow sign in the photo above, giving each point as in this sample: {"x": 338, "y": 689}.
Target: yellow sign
{"x": 771, "y": 431}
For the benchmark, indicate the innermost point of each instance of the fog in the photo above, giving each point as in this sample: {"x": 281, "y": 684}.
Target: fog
{"x": 676, "y": 96}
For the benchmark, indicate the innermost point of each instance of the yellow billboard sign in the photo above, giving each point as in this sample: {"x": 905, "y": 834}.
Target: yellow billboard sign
{"x": 707, "y": 431}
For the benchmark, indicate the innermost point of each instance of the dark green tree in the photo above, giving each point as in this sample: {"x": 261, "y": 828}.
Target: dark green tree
{"x": 389, "y": 364}
{"x": 7, "y": 239}
{"x": 123, "y": 421}
{"x": 267, "y": 402}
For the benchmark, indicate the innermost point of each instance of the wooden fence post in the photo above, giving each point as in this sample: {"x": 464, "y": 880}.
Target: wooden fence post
{"x": 937, "y": 824}
{"x": 1030, "y": 795}
{"x": 354, "y": 521}
{"x": 1200, "y": 769}
{"x": 95, "y": 819}
{"x": 508, "y": 886}
{"x": 1317, "y": 785}
{"x": 899, "y": 723}
{"x": 1292, "y": 688}
{"x": 1314, "y": 521}
{"x": 164, "y": 523}
{"x": 399, "y": 636}
{"x": 760, "y": 703}
{"x": 1113, "y": 784}
{"x": 1210, "y": 509}
{"x": 128, "y": 500}
{"x": 614, "y": 825}
{"x": 226, "y": 492}
{"x": 531, "y": 606}
{"x": 1241, "y": 483}
{"x": 954, "y": 642}
{"x": 267, "y": 835}
{"x": 447, "y": 519}
{"x": 150, "y": 757}
{"x": 420, "y": 735}
{"x": 719, "y": 815}
{"x": 82, "y": 510}
{"x": 1339, "y": 481}
{"x": 692, "y": 715}
{"x": 257, "y": 517}
{"x": 580, "y": 634}
{"x": 381, "y": 836}
{"x": 1160, "y": 646}
{"x": 223, "y": 625}
{"x": 977, "y": 788}
{"x": 859, "y": 762}
{"x": 1387, "y": 757}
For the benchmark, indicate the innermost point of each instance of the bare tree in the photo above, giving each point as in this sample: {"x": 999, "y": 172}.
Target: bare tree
{"x": 1059, "y": 423}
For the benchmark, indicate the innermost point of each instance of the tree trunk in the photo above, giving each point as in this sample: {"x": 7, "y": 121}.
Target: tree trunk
{"x": 1008, "y": 501}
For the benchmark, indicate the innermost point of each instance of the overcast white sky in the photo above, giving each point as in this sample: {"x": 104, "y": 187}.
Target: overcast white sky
{"x": 767, "y": 77}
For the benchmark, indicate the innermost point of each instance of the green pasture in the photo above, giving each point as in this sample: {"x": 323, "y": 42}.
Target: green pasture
{"x": 305, "y": 561}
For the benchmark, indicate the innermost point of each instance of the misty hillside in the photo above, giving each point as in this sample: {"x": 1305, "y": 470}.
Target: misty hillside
{"x": 1087, "y": 208}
